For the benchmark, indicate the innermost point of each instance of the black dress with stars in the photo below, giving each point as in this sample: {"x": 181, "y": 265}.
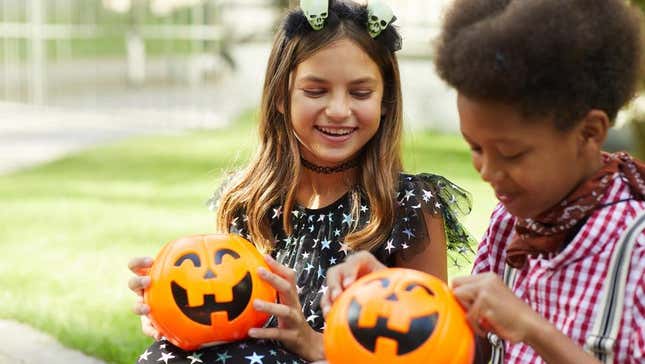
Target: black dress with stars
{"x": 316, "y": 244}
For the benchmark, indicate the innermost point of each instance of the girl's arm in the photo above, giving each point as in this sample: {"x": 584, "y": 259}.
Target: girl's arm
{"x": 428, "y": 255}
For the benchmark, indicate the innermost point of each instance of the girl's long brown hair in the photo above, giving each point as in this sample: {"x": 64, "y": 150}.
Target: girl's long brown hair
{"x": 272, "y": 176}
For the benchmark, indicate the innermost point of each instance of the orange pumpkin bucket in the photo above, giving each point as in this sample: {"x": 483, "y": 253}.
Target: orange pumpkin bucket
{"x": 202, "y": 290}
{"x": 398, "y": 316}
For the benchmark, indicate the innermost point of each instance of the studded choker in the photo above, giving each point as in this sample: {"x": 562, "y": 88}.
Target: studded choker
{"x": 329, "y": 170}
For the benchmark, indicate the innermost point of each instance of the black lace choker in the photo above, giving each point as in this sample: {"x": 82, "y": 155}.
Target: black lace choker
{"x": 329, "y": 170}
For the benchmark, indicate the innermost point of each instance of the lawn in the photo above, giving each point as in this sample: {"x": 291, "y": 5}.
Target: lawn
{"x": 69, "y": 227}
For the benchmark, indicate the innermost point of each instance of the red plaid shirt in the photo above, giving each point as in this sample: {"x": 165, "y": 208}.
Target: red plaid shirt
{"x": 564, "y": 288}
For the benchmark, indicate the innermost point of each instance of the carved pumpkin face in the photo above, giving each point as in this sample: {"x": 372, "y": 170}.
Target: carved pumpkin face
{"x": 398, "y": 316}
{"x": 202, "y": 288}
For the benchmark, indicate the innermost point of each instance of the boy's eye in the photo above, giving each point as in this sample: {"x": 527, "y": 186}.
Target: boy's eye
{"x": 512, "y": 156}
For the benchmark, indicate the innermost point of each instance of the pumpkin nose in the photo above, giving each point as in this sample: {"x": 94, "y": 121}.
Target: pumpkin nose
{"x": 209, "y": 274}
{"x": 392, "y": 297}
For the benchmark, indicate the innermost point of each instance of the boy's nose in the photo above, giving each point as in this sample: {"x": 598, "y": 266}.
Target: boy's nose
{"x": 490, "y": 171}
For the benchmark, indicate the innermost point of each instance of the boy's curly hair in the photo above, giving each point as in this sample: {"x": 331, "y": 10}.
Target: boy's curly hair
{"x": 546, "y": 57}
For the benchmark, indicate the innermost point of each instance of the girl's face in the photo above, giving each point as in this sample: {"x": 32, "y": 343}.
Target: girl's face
{"x": 336, "y": 99}
{"x": 529, "y": 163}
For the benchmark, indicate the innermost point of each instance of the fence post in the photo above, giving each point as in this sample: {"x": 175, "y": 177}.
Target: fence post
{"x": 37, "y": 55}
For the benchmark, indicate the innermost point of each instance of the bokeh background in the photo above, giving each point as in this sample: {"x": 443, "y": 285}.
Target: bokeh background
{"x": 117, "y": 120}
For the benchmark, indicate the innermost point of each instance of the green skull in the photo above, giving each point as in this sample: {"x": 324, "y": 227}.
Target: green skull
{"x": 316, "y": 12}
{"x": 379, "y": 16}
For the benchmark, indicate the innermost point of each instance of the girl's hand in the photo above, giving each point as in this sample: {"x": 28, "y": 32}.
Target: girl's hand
{"x": 493, "y": 307}
{"x": 293, "y": 330}
{"x": 140, "y": 266}
{"x": 341, "y": 276}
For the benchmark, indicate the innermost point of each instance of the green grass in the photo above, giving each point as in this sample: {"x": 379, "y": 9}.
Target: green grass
{"x": 69, "y": 227}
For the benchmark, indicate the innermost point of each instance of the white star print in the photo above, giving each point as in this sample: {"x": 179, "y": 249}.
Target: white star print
{"x": 273, "y": 352}
{"x": 408, "y": 232}
{"x": 308, "y": 267}
{"x": 255, "y": 358}
{"x": 437, "y": 205}
{"x": 162, "y": 346}
{"x": 416, "y": 206}
{"x": 405, "y": 246}
{"x": 242, "y": 346}
{"x": 311, "y": 228}
{"x": 325, "y": 244}
{"x": 195, "y": 358}
{"x": 427, "y": 195}
{"x": 332, "y": 261}
{"x": 323, "y": 290}
{"x": 295, "y": 213}
{"x": 305, "y": 255}
{"x": 347, "y": 219}
{"x": 144, "y": 356}
{"x": 277, "y": 212}
{"x": 336, "y": 232}
{"x": 363, "y": 208}
{"x": 234, "y": 222}
{"x": 223, "y": 357}
{"x": 408, "y": 194}
{"x": 165, "y": 357}
{"x": 310, "y": 218}
{"x": 344, "y": 248}
{"x": 312, "y": 317}
{"x": 315, "y": 243}
{"x": 299, "y": 289}
{"x": 321, "y": 272}
{"x": 389, "y": 246}
{"x": 321, "y": 218}
{"x": 330, "y": 216}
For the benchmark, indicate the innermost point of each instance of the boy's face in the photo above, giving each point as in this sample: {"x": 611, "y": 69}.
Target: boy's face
{"x": 529, "y": 163}
{"x": 336, "y": 99}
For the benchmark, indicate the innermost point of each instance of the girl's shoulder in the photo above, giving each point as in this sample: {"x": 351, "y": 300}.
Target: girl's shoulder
{"x": 420, "y": 195}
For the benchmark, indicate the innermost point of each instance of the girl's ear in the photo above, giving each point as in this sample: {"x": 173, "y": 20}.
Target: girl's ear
{"x": 593, "y": 129}
{"x": 280, "y": 106}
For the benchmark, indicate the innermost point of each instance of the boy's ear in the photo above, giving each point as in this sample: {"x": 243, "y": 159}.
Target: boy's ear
{"x": 593, "y": 129}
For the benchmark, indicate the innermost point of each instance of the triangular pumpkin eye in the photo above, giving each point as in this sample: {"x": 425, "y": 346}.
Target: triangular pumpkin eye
{"x": 190, "y": 256}
{"x": 219, "y": 255}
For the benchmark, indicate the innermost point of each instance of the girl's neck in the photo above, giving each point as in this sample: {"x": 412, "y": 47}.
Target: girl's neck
{"x": 316, "y": 190}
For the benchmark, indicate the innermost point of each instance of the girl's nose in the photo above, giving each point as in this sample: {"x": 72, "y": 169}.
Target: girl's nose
{"x": 338, "y": 108}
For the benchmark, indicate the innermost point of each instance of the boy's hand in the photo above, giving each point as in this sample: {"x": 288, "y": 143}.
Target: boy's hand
{"x": 140, "y": 266}
{"x": 341, "y": 276}
{"x": 493, "y": 307}
{"x": 293, "y": 330}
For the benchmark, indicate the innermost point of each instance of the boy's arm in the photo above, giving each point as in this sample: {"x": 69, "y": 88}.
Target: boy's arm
{"x": 555, "y": 347}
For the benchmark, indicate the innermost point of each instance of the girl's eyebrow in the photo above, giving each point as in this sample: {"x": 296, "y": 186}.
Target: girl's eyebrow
{"x": 312, "y": 78}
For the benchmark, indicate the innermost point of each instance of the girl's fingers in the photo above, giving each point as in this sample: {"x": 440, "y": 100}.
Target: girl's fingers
{"x": 140, "y": 265}
{"x": 138, "y": 284}
{"x": 148, "y": 329}
{"x": 286, "y": 289}
{"x": 279, "y": 269}
{"x": 274, "y": 309}
{"x": 273, "y": 333}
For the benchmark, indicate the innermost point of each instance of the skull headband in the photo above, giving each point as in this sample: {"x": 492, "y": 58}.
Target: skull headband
{"x": 314, "y": 15}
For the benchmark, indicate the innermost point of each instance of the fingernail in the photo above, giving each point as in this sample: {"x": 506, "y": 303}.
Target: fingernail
{"x": 145, "y": 281}
{"x": 268, "y": 258}
{"x": 263, "y": 272}
{"x": 257, "y": 304}
{"x": 147, "y": 260}
{"x": 145, "y": 310}
{"x": 253, "y": 332}
{"x": 347, "y": 282}
{"x": 334, "y": 293}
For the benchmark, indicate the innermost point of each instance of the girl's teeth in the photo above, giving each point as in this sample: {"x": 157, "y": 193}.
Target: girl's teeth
{"x": 338, "y": 132}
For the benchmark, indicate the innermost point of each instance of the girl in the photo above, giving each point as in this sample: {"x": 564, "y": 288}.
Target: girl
{"x": 326, "y": 181}
{"x": 539, "y": 83}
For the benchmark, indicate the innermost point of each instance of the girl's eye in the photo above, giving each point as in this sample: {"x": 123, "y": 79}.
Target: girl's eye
{"x": 314, "y": 92}
{"x": 362, "y": 94}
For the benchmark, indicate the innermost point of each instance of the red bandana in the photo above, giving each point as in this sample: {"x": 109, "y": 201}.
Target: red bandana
{"x": 547, "y": 232}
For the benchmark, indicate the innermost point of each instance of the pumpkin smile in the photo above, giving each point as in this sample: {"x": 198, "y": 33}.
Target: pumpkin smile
{"x": 202, "y": 314}
{"x": 421, "y": 328}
